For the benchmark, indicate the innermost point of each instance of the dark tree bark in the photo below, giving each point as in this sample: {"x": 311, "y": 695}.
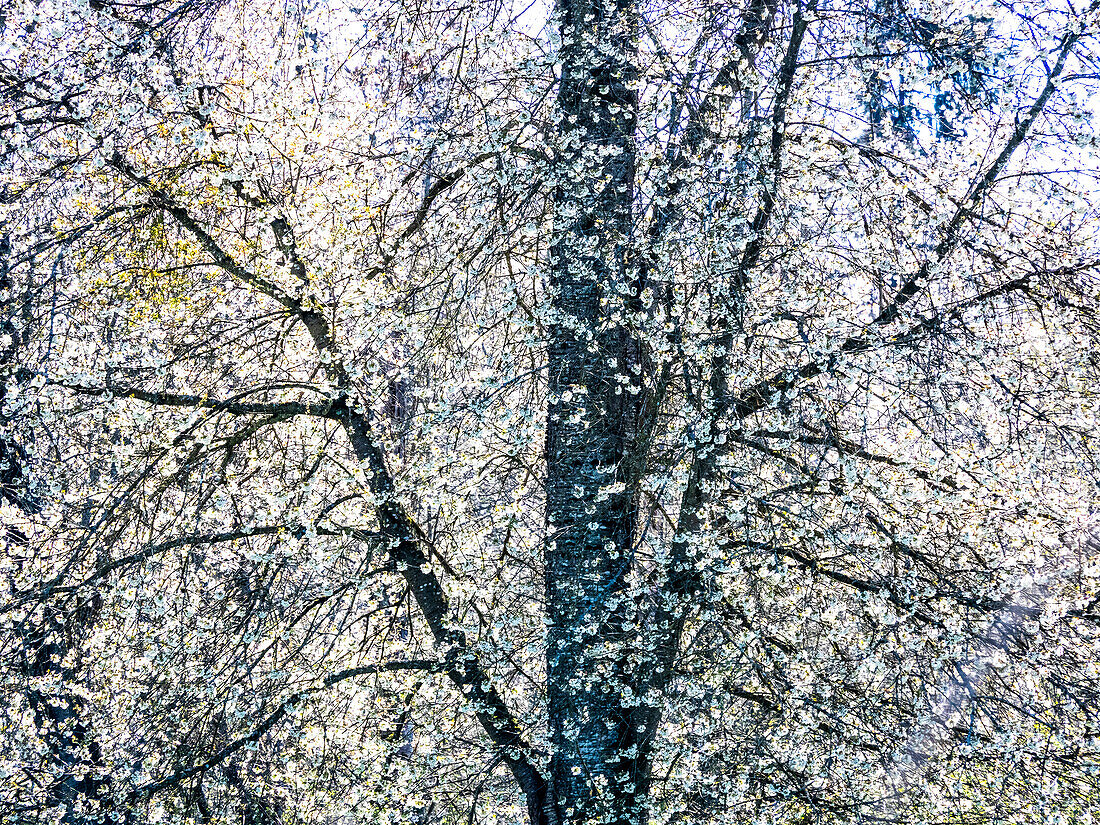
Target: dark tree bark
{"x": 62, "y": 716}
{"x": 615, "y": 624}
{"x": 14, "y": 485}
{"x": 592, "y": 423}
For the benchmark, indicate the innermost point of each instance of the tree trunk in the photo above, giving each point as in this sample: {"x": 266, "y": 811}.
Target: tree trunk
{"x": 592, "y": 422}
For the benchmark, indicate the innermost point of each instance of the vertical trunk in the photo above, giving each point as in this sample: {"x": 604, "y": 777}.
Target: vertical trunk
{"x": 593, "y": 411}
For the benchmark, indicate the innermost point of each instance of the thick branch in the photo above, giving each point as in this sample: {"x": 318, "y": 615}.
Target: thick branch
{"x": 682, "y": 585}
{"x": 760, "y": 395}
{"x": 229, "y": 405}
{"x": 162, "y": 200}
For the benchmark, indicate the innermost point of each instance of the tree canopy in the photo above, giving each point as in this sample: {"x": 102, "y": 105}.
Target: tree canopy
{"x": 612, "y": 412}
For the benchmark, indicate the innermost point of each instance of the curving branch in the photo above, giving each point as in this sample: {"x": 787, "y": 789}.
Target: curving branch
{"x": 403, "y": 538}
{"x": 761, "y": 395}
{"x": 683, "y": 585}
{"x": 271, "y": 721}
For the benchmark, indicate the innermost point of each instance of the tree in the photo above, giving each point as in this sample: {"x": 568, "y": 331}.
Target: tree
{"x": 421, "y": 420}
